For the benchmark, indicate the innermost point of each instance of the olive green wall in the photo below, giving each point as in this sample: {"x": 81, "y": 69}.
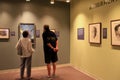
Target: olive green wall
{"x": 39, "y": 12}
{"x": 100, "y": 61}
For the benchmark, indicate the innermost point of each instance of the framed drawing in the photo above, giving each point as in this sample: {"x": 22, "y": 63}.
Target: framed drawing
{"x": 30, "y": 27}
{"x": 4, "y": 33}
{"x": 80, "y": 33}
{"x": 95, "y": 33}
{"x": 115, "y": 32}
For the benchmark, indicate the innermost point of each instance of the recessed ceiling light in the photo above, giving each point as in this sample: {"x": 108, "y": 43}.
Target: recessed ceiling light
{"x": 52, "y": 2}
{"x": 27, "y": 0}
{"x": 67, "y": 1}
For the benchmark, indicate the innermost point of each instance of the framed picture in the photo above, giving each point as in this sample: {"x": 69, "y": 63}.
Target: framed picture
{"x": 38, "y": 33}
{"x": 12, "y": 33}
{"x": 57, "y": 33}
{"x": 30, "y": 27}
{"x": 4, "y": 33}
{"x": 115, "y": 32}
{"x": 104, "y": 33}
{"x": 80, "y": 33}
{"x": 95, "y": 33}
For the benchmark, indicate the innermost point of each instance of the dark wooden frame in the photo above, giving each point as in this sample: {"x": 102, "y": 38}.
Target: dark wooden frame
{"x": 94, "y": 31}
{"x": 115, "y": 41}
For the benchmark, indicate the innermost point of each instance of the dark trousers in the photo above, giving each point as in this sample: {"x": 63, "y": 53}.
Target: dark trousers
{"x": 25, "y": 62}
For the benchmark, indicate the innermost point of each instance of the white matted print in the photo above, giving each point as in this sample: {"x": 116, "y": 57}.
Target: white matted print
{"x": 95, "y": 33}
{"x": 4, "y": 33}
{"x": 115, "y": 32}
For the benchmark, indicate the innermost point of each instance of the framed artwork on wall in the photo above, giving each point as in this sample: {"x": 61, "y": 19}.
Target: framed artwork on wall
{"x": 95, "y": 33}
{"x": 115, "y": 32}
{"x": 12, "y": 33}
{"x": 57, "y": 33}
{"x": 104, "y": 33}
{"x": 80, "y": 33}
{"x": 4, "y": 33}
{"x": 31, "y": 28}
{"x": 37, "y": 33}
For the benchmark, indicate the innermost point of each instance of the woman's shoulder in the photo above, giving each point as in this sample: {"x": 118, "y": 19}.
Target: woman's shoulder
{"x": 20, "y": 39}
{"x": 28, "y": 39}
{"x": 25, "y": 39}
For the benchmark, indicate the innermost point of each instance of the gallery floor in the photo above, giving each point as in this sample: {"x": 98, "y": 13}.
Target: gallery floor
{"x": 63, "y": 73}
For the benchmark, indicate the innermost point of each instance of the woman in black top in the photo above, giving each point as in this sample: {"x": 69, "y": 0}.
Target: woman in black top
{"x": 50, "y": 44}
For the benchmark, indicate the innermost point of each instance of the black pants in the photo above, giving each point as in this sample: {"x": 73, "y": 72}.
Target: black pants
{"x": 26, "y": 61}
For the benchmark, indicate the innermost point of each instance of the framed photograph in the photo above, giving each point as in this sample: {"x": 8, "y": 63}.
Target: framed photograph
{"x": 95, "y": 33}
{"x": 38, "y": 33}
{"x": 115, "y": 32}
{"x": 12, "y": 33}
{"x": 80, "y": 33}
{"x": 57, "y": 33}
{"x": 4, "y": 33}
{"x": 104, "y": 33}
{"x": 30, "y": 27}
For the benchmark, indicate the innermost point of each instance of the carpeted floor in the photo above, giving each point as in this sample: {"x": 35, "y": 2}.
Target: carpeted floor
{"x": 63, "y": 73}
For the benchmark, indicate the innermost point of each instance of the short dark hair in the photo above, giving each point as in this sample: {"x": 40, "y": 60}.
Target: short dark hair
{"x": 46, "y": 28}
{"x": 25, "y": 34}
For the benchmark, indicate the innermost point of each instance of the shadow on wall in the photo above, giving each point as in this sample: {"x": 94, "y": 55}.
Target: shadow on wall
{"x": 95, "y": 45}
{"x": 116, "y": 47}
{"x": 4, "y": 40}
